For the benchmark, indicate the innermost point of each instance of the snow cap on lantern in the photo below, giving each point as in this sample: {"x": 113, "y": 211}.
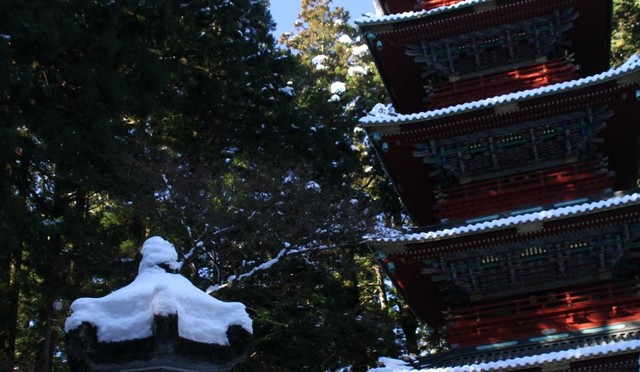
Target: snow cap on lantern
{"x": 128, "y": 313}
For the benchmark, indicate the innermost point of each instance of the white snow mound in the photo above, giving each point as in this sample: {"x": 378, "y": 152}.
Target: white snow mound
{"x": 128, "y": 313}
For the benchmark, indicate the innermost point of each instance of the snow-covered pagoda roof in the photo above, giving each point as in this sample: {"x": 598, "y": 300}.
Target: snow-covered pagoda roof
{"x": 630, "y": 70}
{"x": 556, "y": 349}
{"x": 496, "y": 222}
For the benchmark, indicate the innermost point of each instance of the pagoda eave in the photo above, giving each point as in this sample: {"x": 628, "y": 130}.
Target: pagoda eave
{"x": 417, "y": 246}
{"x": 612, "y": 348}
{"x": 601, "y": 88}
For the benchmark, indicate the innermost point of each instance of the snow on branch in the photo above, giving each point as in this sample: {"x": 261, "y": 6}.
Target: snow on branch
{"x": 268, "y": 264}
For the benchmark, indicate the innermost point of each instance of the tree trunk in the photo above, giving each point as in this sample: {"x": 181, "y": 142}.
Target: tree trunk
{"x": 382, "y": 291}
{"x": 409, "y": 326}
{"x": 9, "y": 330}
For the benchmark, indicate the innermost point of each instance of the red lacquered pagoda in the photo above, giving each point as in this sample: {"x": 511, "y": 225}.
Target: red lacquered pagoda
{"x": 515, "y": 149}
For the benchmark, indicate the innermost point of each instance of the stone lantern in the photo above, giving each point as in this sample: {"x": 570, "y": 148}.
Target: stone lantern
{"x": 159, "y": 322}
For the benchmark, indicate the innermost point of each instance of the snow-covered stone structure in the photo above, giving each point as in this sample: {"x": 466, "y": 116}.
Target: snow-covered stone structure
{"x": 158, "y": 321}
{"x": 514, "y": 148}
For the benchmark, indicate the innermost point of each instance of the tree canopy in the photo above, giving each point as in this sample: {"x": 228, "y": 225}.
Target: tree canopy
{"x": 126, "y": 119}
{"x": 625, "y": 39}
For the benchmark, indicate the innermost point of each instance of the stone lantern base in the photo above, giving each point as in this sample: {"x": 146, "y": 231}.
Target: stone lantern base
{"x": 164, "y": 351}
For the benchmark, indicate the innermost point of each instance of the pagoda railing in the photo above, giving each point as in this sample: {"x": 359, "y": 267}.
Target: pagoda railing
{"x": 484, "y": 50}
{"x": 432, "y": 4}
{"x": 518, "y": 148}
{"x": 528, "y": 189}
{"x": 537, "y": 315}
{"x": 523, "y": 78}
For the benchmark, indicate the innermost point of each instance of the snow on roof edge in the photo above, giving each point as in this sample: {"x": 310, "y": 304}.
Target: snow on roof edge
{"x": 383, "y": 19}
{"x": 510, "y": 221}
{"x": 630, "y": 66}
{"x": 526, "y": 361}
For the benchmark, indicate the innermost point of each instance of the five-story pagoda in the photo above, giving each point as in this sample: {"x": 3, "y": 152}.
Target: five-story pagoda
{"x": 515, "y": 150}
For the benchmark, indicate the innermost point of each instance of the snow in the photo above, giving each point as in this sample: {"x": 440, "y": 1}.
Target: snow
{"x": 128, "y": 313}
{"x": 378, "y": 8}
{"x": 382, "y": 112}
{"x": 262, "y": 266}
{"x": 604, "y": 348}
{"x": 286, "y": 251}
{"x": 345, "y": 39}
{"x": 319, "y": 59}
{"x": 386, "y": 233}
{"x": 391, "y": 365}
{"x": 357, "y": 70}
{"x": 334, "y": 98}
{"x": 290, "y": 177}
{"x": 360, "y": 50}
{"x": 313, "y": 186}
{"x": 382, "y": 19}
{"x": 631, "y": 66}
{"x": 156, "y": 251}
{"x": 497, "y": 222}
{"x": 338, "y": 87}
{"x": 287, "y": 90}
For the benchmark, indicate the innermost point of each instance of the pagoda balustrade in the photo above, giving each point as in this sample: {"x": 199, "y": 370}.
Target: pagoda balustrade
{"x": 508, "y": 149}
{"x": 420, "y": 54}
{"x": 547, "y": 263}
{"x": 495, "y": 48}
{"x": 449, "y": 93}
{"x": 401, "y": 6}
{"x": 432, "y": 4}
{"x": 531, "y": 163}
{"x": 479, "y": 23}
{"x": 554, "y": 312}
{"x": 527, "y": 189}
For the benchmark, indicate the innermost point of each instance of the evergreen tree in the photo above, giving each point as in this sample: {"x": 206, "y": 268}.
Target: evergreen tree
{"x": 337, "y": 85}
{"x": 58, "y": 106}
{"x": 96, "y": 99}
{"x": 294, "y": 197}
{"x": 626, "y": 30}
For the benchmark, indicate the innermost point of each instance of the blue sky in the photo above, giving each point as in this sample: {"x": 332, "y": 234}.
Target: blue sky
{"x": 284, "y": 11}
